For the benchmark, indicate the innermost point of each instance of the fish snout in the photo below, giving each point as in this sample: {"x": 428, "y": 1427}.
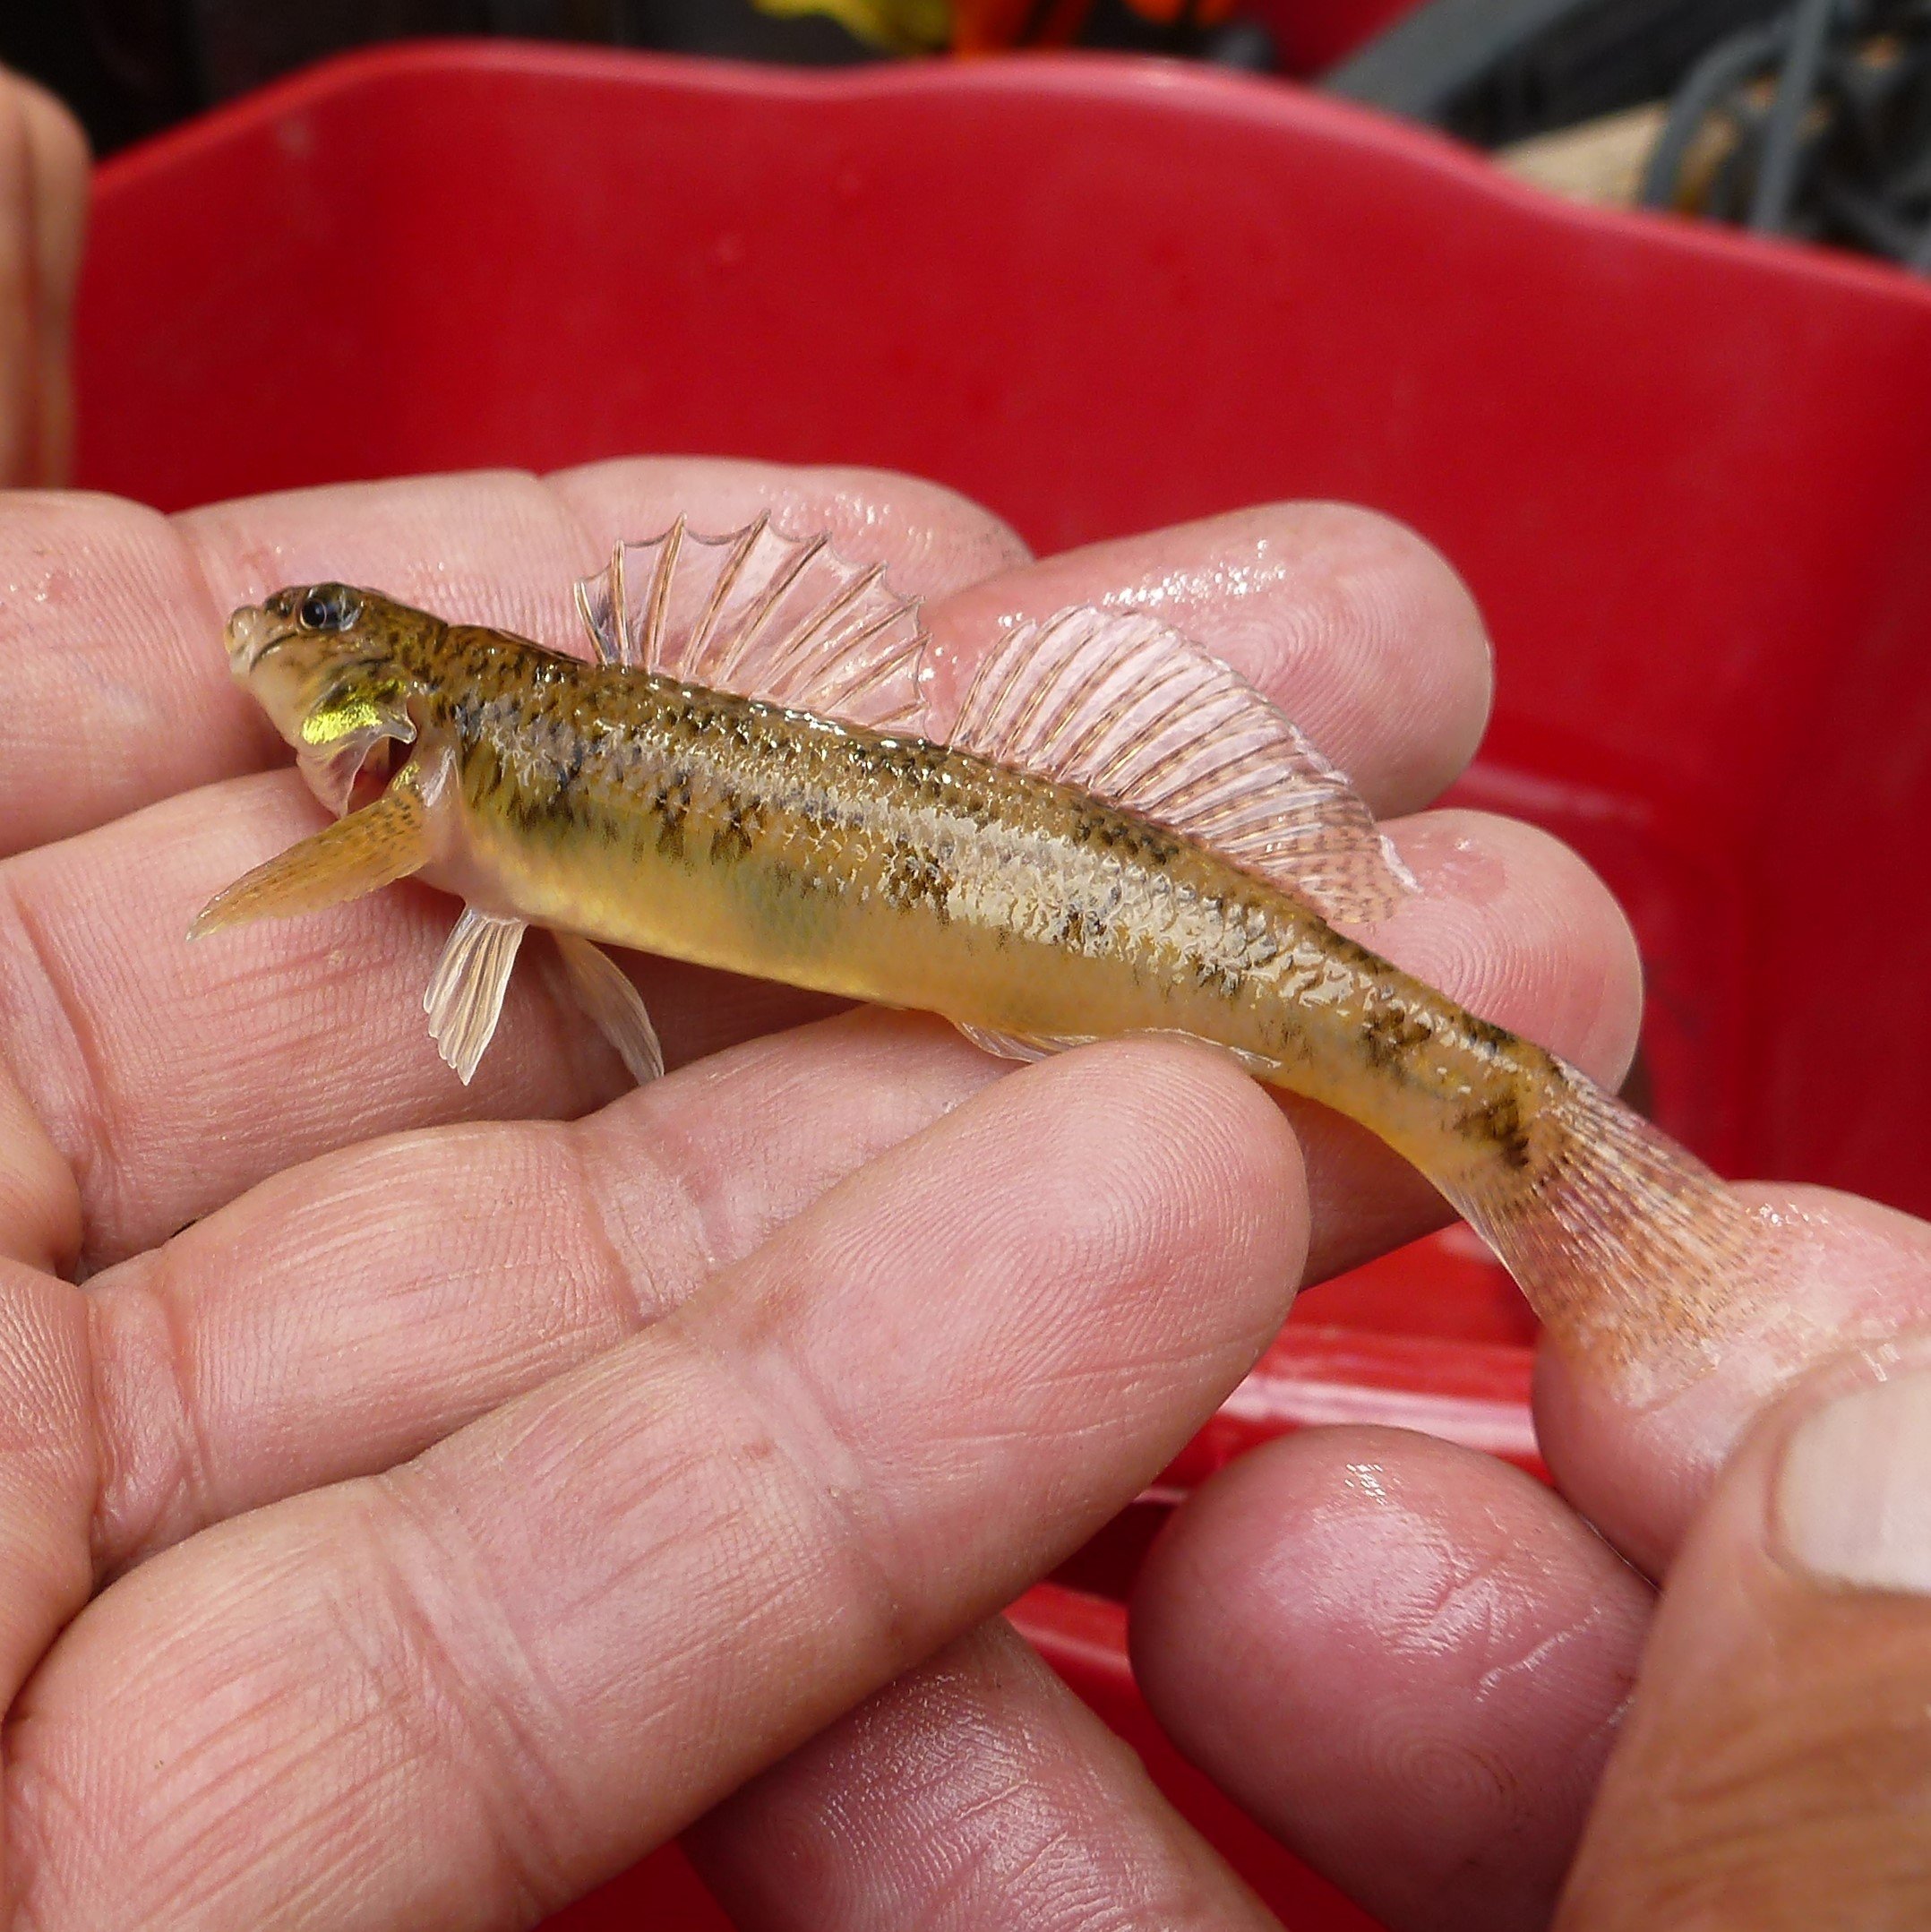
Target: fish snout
{"x": 249, "y": 632}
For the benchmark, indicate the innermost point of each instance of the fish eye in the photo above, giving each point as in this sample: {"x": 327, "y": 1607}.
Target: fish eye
{"x": 327, "y": 607}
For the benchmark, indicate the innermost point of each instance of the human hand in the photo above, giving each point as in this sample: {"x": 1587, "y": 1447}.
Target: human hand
{"x": 467, "y": 1502}
{"x": 1413, "y": 1663}
{"x": 43, "y": 211}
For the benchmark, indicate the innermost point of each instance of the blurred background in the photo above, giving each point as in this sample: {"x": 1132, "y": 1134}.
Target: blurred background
{"x": 1813, "y": 119}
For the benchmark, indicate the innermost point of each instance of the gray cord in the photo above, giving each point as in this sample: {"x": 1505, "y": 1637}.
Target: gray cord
{"x": 1776, "y": 177}
{"x": 1706, "y": 83}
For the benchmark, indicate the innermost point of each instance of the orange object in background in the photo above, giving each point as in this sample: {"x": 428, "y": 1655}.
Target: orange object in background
{"x": 988, "y": 26}
{"x": 984, "y": 26}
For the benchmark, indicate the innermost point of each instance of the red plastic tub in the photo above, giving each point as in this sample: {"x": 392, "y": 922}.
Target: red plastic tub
{"x": 1688, "y": 476}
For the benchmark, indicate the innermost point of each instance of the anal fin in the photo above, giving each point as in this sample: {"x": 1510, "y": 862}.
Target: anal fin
{"x": 1026, "y": 1046}
{"x": 1032, "y": 1046}
{"x": 464, "y": 997}
{"x": 604, "y": 990}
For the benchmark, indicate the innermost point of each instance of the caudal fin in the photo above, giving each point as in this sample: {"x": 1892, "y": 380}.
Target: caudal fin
{"x": 1628, "y": 1247}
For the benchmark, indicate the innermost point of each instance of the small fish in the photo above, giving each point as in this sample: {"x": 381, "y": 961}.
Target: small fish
{"x": 1117, "y": 834}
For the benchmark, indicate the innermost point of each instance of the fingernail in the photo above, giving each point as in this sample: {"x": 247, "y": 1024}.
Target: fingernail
{"x": 1853, "y": 1498}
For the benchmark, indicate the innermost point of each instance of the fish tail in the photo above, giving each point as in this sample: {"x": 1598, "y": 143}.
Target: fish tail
{"x": 1633, "y": 1253}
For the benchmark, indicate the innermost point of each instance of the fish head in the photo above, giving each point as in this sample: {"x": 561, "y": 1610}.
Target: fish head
{"x": 331, "y": 665}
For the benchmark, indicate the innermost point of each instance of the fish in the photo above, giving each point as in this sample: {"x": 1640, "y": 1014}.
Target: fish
{"x": 1115, "y": 834}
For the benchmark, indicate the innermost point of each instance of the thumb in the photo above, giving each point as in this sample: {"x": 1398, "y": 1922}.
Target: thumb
{"x": 1775, "y": 1768}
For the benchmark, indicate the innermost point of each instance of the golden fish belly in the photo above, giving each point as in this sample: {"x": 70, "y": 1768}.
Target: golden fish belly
{"x": 733, "y": 836}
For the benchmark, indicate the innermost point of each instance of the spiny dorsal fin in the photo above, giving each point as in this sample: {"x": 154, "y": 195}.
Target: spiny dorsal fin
{"x": 765, "y": 615}
{"x": 1124, "y": 707}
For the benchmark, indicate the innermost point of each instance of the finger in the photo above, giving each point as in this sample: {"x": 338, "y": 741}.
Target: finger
{"x": 1774, "y": 1767}
{"x": 119, "y": 687}
{"x": 341, "y": 1318}
{"x": 479, "y": 1685}
{"x": 976, "y": 1792}
{"x": 47, "y": 1475}
{"x": 39, "y": 1201}
{"x": 1834, "y": 1272}
{"x": 60, "y": 160}
{"x": 1348, "y": 620}
{"x": 1403, "y": 1658}
{"x": 933, "y": 541}
{"x": 43, "y": 206}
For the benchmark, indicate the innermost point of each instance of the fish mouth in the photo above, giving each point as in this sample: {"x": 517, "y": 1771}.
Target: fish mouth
{"x": 252, "y": 633}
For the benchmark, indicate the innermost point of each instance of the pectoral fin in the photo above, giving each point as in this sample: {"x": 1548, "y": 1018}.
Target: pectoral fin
{"x": 365, "y": 851}
{"x": 604, "y": 990}
{"x": 464, "y": 997}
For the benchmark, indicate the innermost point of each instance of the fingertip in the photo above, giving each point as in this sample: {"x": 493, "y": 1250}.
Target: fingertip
{"x": 1347, "y": 620}
{"x": 933, "y": 540}
{"x": 1413, "y": 636}
{"x": 1524, "y": 930}
{"x": 1836, "y": 1272}
{"x": 1401, "y": 1657}
{"x": 1774, "y": 1767}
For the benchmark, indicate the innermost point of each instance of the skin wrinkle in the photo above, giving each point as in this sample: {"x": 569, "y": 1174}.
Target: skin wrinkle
{"x": 631, "y": 1289}
{"x": 865, "y": 1822}
{"x": 84, "y": 1120}
{"x": 55, "y": 1815}
{"x": 147, "y": 1467}
{"x": 1466, "y": 1603}
{"x": 674, "y": 1153}
{"x": 36, "y": 1785}
{"x": 1502, "y": 1677}
{"x": 776, "y": 1389}
{"x": 526, "y": 1810}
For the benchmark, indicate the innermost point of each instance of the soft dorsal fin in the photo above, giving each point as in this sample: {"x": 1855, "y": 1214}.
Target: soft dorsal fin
{"x": 1124, "y": 707}
{"x": 764, "y": 615}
